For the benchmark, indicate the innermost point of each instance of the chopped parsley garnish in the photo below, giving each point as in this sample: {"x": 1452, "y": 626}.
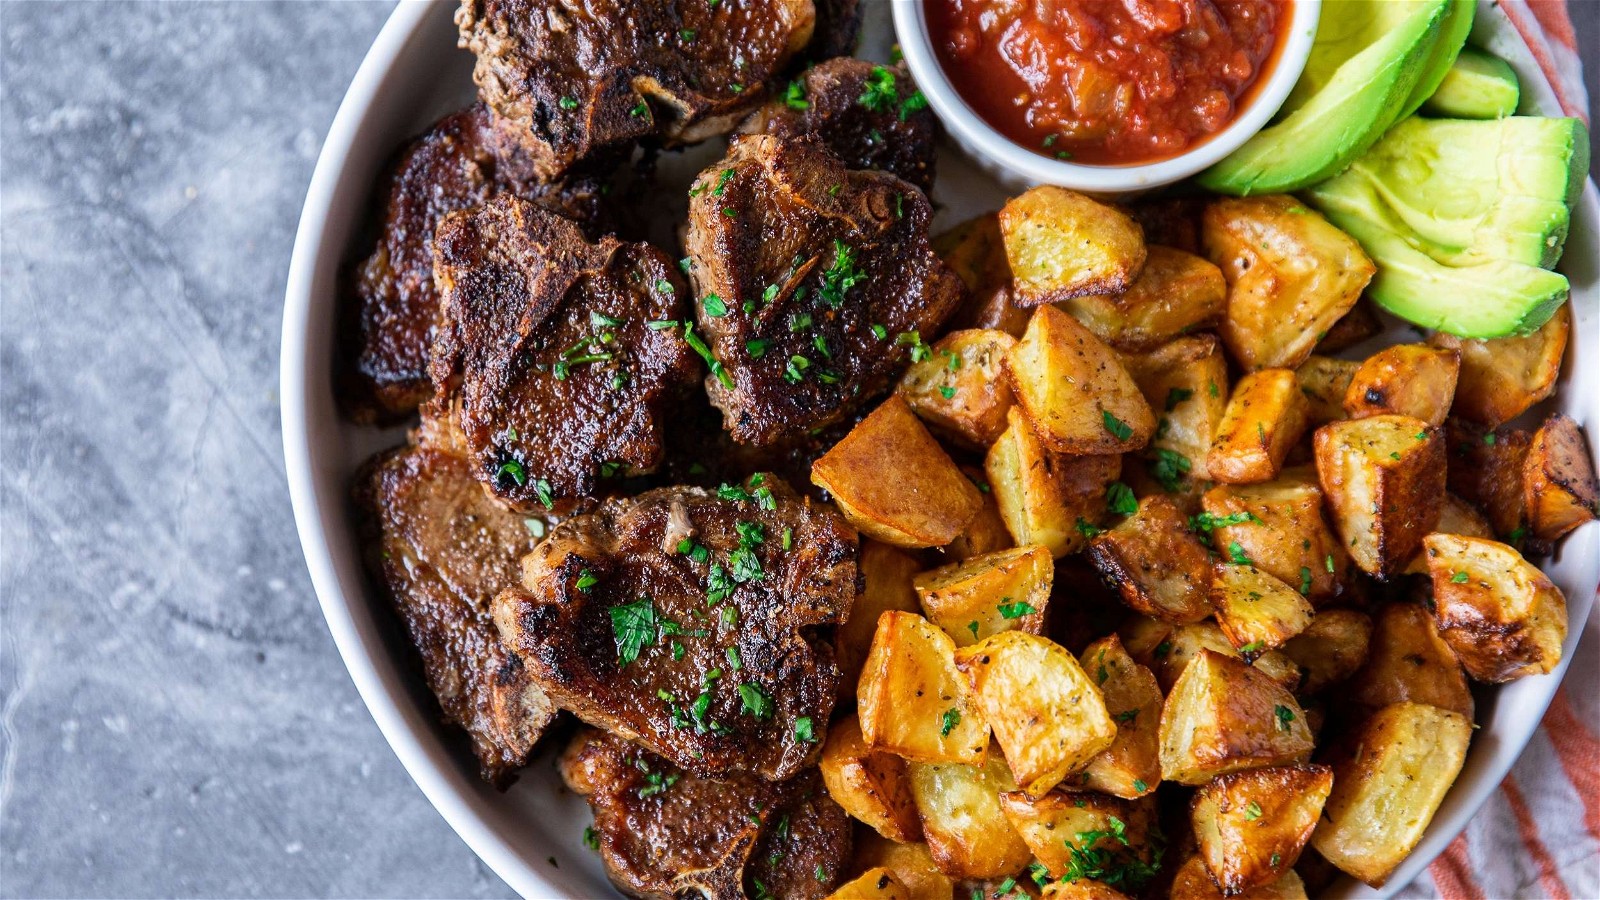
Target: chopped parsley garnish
{"x": 1285, "y": 715}
{"x": 1237, "y": 556}
{"x": 1138, "y": 783}
{"x": 1460, "y": 578}
{"x": 842, "y": 275}
{"x": 686, "y": 34}
{"x": 656, "y": 783}
{"x": 879, "y": 332}
{"x": 1176, "y": 396}
{"x": 542, "y": 490}
{"x": 803, "y": 730}
{"x": 1016, "y": 610}
{"x": 973, "y": 627}
{"x": 913, "y": 339}
{"x": 513, "y": 470}
{"x": 788, "y": 538}
{"x": 639, "y": 111}
{"x": 695, "y": 551}
{"x": 800, "y": 321}
{"x": 947, "y": 392}
{"x": 1305, "y": 580}
{"x": 1119, "y": 429}
{"x": 1169, "y": 467}
{"x": 714, "y": 306}
{"x": 586, "y": 580}
{"x": 569, "y": 102}
{"x": 756, "y": 702}
{"x": 591, "y": 838}
{"x": 879, "y": 95}
{"x": 1252, "y": 647}
{"x": 723, "y": 177}
{"x": 1252, "y": 812}
{"x": 756, "y": 347}
{"x": 1086, "y": 528}
{"x": 794, "y": 96}
{"x": 821, "y": 873}
{"x": 1128, "y": 716}
{"x": 1205, "y": 523}
{"x": 698, "y": 345}
{"x": 948, "y": 721}
{"x": 1120, "y": 499}
{"x": 914, "y": 103}
{"x": 634, "y": 626}
{"x": 1117, "y": 867}
{"x": 795, "y": 371}
{"x": 1327, "y": 561}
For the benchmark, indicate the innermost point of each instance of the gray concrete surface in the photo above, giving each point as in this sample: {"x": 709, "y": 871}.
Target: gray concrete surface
{"x": 174, "y": 719}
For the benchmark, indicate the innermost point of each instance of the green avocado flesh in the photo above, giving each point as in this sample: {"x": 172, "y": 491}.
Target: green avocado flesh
{"x": 1369, "y": 60}
{"x": 1472, "y": 191}
{"x": 1478, "y": 86}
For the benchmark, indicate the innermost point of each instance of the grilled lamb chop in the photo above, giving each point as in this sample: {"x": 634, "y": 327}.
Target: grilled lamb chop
{"x": 579, "y": 79}
{"x": 544, "y": 354}
{"x": 442, "y": 549}
{"x": 685, "y": 621}
{"x": 390, "y": 303}
{"x": 816, "y": 284}
{"x": 838, "y": 26}
{"x": 665, "y": 833}
{"x": 870, "y": 116}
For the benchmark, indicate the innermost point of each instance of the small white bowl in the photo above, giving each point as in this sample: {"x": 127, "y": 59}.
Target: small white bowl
{"x": 1020, "y": 168}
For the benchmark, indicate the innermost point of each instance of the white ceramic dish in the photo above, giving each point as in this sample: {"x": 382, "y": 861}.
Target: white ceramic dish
{"x": 1018, "y": 167}
{"x": 411, "y": 76}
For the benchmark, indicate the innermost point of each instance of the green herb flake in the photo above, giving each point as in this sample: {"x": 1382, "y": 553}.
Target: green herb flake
{"x": 1237, "y": 556}
{"x": 947, "y": 392}
{"x": 1176, "y": 396}
{"x": 948, "y": 721}
{"x": 803, "y": 730}
{"x": 1285, "y": 715}
{"x": 513, "y": 470}
{"x": 1120, "y": 499}
{"x": 1086, "y": 528}
{"x": 586, "y": 580}
{"x": 1016, "y": 610}
{"x": 1140, "y": 786}
{"x": 1252, "y": 812}
{"x": 756, "y": 702}
{"x": 714, "y": 306}
{"x": 1119, "y": 429}
{"x": 569, "y": 102}
{"x": 842, "y": 275}
{"x": 880, "y": 94}
{"x": 1460, "y": 578}
{"x": 541, "y": 489}
{"x": 634, "y": 627}
{"x": 794, "y": 96}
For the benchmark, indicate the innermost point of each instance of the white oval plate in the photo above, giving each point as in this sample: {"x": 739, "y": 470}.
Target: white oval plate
{"x": 532, "y": 835}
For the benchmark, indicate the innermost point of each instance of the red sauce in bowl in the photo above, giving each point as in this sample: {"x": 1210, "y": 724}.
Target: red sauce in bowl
{"x": 1109, "y": 82}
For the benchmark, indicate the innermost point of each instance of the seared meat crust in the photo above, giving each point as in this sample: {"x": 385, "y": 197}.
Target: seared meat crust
{"x": 442, "y": 549}
{"x": 582, "y": 79}
{"x": 390, "y": 303}
{"x": 665, "y": 833}
{"x": 870, "y": 116}
{"x": 838, "y": 27}
{"x": 544, "y": 354}
{"x": 624, "y": 618}
{"x": 822, "y": 270}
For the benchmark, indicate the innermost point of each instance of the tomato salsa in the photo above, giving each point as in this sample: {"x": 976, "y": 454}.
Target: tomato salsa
{"x": 1109, "y": 82}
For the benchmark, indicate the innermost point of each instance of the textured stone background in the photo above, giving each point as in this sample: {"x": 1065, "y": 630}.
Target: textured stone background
{"x": 174, "y": 719}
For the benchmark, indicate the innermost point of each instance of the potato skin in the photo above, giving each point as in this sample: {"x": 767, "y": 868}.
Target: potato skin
{"x": 1255, "y": 610}
{"x": 877, "y": 883}
{"x": 1333, "y": 647}
{"x": 1193, "y": 882}
{"x": 967, "y": 365}
{"x": 1186, "y": 384}
{"x": 1384, "y": 477}
{"x": 871, "y": 785}
{"x": 1559, "y": 489}
{"x": 965, "y": 598}
{"x": 1048, "y": 824}
{"x": 1252, "y": 825}
{"x": 1224, "y": 715}
{"x": 1265, "y": 417}
{"x": 967, "y": 833}
{"x": 1387, "y": 784}
{"x": 1501, "y": 378}
{"x": 1176, "y": 293}
{"x": 1355, "y": 326}
{"x": 1157, "y": 566}
{"x": 1042, "y": 495}
{"x": 912, "y": 864}
{"x": 908, "y": 684}
{"x": 1486, "y": 470}
{"x": 1287, "y": 536}
{"x": 1082, "y": 889}
{"x": 886, "y": 584}
{"x": 1406, "y": 379}
{"x": 1324, "y": 381}
{"x": 929, "y": 502}
{"x": 1409, "y": 661}
{"x": 1503, "y": 618}
{"x": 1062, "y": 244}
{"x": 1131, "y": 767}
{"x": 976, "y": 252}
{"x": 1290, "y": 275}
{"x": 1075, "y": 390}
{"x": 1456, "y": 516}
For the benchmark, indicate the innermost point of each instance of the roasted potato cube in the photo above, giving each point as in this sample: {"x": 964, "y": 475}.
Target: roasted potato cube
{"x": 1047, "y": 716}
{"x": 988, "y": 594}
{"x": 1559, "y": 490}
{"x": 1193, "y": 882}
{"x": 1063, "y": 824}
{"x": 1264, "y": 419}
{"x": 1176, "y": 293}
{"x": 912, "y": 701}
{"x": 1062, "y": 244}
{"x": 1497, "y": 611}
{"x": 976, "y": 251}
{"x": 968, "y": 834}
{"x": 1486, "y": 470}
{"x": 986, "y": 532}
{"x": 1082, "y": 889}
{"x": 1224, "y": 715}
{"x": 912, "y": 864}
{"x": 1384, "y": 477}
{"x": 886, "y": 572}
{"x": 894, "y": 482}
{"x": 1169, "y": 221}
{"x": 1324, "y": 381}
{"x": 1278, "y": 527}
{"x": 1409, "y": 660}
{"x": 871, "y": 785}
{"x": 1502, "y": 377}
{"x": 959, "y": 390}
{"x": 1255, "y": 610}
{"x": 1388, "y": 786}
{"x": 1074, "y": 389}
{"x": 1355, "y": 326}
{"x": 1178, "y": 647}
{"x": 1131, "y": 766}
{"x": 1046, "y": 498}
{"x": 1406, "y": 380}
{"x": 1457, "y": 516}
{"x": 1331, "y": 648}
{"x": 877, "y": 883}
{"x": 1252, "y": 825}
{"x": 1186, "y": 384}
{"x": 1156, "y": 564}
{"x": 1290, "y": 277}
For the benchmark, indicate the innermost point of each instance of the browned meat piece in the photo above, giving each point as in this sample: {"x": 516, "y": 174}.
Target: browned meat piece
{"x": 814, "y": 284}
{"x": 390, "y": 303}
{"x": 685, "y": 621}
{"x": 442, "y": 549}
{"x": 545, "y": 354}
{"x": 579, "y": 79}
{"x": 870, "y": 116}
{"x": 838, "y": 25}
{"x": 665, "y": 833}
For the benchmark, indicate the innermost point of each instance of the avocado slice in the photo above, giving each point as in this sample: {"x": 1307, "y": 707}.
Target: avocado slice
{"x": 1368, "y": 59}
{"x": 1478, "y": 86}
{"x": 1489, "y": 299}
{"x": 1470, "y": 191}
{"x": 1453, "y": 33}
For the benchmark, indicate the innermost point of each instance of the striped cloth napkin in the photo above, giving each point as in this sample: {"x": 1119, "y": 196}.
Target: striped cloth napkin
{"x": 1539, "y": 835}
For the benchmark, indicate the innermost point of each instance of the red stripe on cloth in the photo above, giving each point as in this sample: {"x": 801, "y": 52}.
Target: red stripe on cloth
{"x": 1452, "y": 873}
{"x": 1549, "y": 880}
{"x": 1521, "y": 18}
{"x": 1579, "y": 752}
{"x": 1552, "y": 16}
